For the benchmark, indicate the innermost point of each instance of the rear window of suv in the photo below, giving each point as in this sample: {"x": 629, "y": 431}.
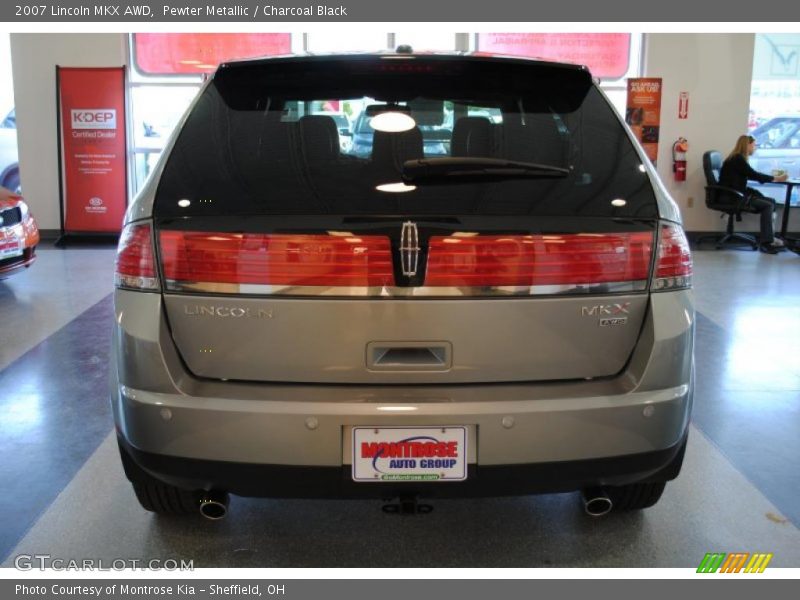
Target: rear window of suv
{"x": 257, "y": 143}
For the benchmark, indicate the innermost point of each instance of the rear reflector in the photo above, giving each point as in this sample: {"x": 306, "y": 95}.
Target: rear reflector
{"x": 276, "y": 259}
{"x": 135, "y": 264}
{"x": 533, "y": 260}
{"x": 674, "y": 261}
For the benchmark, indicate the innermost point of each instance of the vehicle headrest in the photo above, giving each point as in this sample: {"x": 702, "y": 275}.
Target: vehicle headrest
{"x": 319, "y": 137}
{"x": 393, "y": 149}
{"x": 472, "y": 136}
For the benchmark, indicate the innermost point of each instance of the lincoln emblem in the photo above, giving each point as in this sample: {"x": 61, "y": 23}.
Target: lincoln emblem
{"x": 409, "y": 248}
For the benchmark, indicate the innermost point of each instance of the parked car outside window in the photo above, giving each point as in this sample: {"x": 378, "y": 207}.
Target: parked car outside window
{"x": 435, "y": 137}
{"x": 345, "y": 129}
{"x": 777, "y": 148}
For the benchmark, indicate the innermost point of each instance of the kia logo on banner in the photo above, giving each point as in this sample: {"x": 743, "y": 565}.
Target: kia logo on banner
{"x": 94, "y": 118}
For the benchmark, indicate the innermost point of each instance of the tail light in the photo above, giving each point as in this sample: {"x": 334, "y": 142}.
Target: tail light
{"x": 533, "y": 260}
{"x": 674, "y": 261}
{"x": 135, "y": 263}
{"x": 275, "y": 259}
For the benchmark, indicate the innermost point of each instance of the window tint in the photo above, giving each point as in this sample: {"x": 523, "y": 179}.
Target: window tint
{"x": 258, "y": 142}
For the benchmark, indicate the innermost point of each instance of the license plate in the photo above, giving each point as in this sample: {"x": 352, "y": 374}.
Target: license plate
{"x": 390, "y": 454}
{"x": 10, "y": 246}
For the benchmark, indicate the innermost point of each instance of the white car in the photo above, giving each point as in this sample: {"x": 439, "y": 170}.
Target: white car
{"x": 777, "y": 147}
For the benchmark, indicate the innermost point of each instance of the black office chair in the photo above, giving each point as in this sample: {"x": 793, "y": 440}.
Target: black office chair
{"x": 726, "y": 200}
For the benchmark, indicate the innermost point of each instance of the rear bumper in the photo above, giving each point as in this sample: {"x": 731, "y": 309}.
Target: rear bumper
{"x": 285, "y": 448}
{"x": 10, "y": 266}
{"x": 281, "y": 481}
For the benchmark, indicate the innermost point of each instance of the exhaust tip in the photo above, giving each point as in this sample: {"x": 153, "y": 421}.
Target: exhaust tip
{"x": 214, "y": 505}
{"x": 596, "y": 502}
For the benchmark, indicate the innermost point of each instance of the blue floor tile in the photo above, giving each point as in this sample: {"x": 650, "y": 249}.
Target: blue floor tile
{"x": 54, "y": 412}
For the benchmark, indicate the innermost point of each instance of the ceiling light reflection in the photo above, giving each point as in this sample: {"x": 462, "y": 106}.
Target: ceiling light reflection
{"x": 392, "y": 122}
{"x": 395, "y": 188}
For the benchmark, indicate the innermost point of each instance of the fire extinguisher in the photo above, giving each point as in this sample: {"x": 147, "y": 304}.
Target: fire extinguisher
{"x": 679, "y": 149}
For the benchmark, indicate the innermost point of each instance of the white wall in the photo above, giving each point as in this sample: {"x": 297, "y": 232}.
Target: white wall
{"x": 716, "y": 70}
{"x": 34, "y": 59}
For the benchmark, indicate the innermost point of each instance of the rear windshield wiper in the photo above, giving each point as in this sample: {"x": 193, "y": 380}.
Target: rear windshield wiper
{"x": 458, "y": 169}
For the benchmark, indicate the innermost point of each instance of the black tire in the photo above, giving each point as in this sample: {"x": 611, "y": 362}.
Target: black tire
{"x": 165, "y": 499}
{"x": 157, "y": 496}
{"x": 636, "y": 496}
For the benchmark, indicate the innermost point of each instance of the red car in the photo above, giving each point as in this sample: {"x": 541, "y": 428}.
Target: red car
{"x": 18, "y": 234}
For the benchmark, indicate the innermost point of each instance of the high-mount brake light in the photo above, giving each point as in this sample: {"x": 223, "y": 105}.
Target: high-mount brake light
{"x": 275, "y": 259}
{"x": 135, "y": 266}
{"x": 674, "y": 260}
{"x": 536, "y": 260}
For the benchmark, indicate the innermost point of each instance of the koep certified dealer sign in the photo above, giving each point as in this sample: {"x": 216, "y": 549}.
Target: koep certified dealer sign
{"x": 94, "y": 118}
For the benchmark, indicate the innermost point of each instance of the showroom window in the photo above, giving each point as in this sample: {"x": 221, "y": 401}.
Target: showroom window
{"x": 9, "y": 160}
{"x": 426, "y": 40}
{"x": 774, "y": 118}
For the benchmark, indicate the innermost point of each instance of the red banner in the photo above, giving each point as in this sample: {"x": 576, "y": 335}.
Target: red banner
{"x": 178, "y": 53}
{"x": 606, "y": 54}
{"x": 643, "y": 112}
{"x": 93, "y": 147}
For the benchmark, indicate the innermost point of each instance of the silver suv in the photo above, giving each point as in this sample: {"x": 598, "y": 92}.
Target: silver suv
{"x": 512, "y": 318}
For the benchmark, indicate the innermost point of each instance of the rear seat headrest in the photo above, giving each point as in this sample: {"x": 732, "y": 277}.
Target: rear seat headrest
{"x": 319, "y": 138}
{"x": 393, "y": 149}
{"x": 472, "y": 136}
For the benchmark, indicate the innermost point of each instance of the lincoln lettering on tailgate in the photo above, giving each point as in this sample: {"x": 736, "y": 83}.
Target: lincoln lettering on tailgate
{"x": 409, "y": 454}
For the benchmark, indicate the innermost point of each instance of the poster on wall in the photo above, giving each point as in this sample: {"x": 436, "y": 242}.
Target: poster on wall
{"x": 92, "y": 163}
{"x": 643, "y": 112}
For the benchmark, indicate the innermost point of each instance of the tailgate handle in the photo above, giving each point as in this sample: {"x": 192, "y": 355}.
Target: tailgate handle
{"x": 409, "y": 356}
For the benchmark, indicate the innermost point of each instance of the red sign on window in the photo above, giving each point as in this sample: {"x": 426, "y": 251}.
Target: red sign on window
{"x": 606, "y": 54}
{"x": 184, "y": 53}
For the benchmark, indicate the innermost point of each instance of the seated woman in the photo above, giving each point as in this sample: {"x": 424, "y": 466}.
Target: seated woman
{"x": 735, "y": 173}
